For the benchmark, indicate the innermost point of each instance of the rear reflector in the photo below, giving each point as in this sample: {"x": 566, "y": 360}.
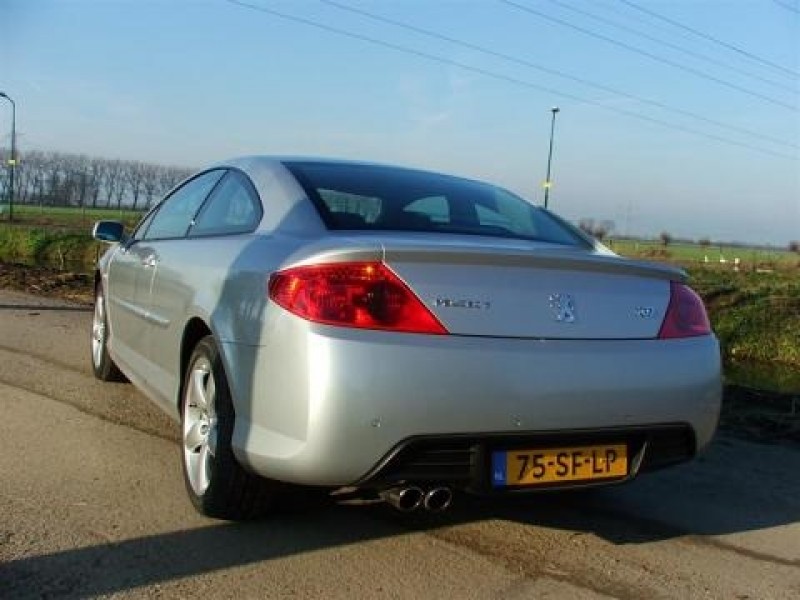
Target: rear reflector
{"x": 364, "y": 295}
{"x": 686, "y": 316}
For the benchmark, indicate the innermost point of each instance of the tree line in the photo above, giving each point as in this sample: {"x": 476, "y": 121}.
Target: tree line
{"x": 64, "y": 179}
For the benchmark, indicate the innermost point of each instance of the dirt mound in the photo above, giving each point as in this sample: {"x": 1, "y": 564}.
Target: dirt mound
{"x": 760, "y": 415}
{"x": 43, "y": 281}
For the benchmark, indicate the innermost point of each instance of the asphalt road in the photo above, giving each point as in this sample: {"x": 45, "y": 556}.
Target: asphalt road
{"x": 92, "y": 505}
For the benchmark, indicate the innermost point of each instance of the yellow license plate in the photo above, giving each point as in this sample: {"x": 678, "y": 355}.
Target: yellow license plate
{"x": 556, "y": 465}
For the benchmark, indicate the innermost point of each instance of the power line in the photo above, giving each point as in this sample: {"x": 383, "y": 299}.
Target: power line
{"x": 500, "y": 77}
{"x": 677, "y": 47}
{"x": 787, "y": 6}
{"x": 650, "y": 55}
{"x": 711, "y": 38}
{"x": 555, "y": 72}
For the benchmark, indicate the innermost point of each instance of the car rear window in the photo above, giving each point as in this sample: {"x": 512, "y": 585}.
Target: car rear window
{"x": 373, "y": 197}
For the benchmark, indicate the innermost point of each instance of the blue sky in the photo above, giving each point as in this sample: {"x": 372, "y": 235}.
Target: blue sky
{"x": 191, "y": 82}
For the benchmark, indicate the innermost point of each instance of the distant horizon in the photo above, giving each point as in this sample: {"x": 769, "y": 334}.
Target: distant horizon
{"x": 677, "y": 116}
{"x": 615, "y": 232}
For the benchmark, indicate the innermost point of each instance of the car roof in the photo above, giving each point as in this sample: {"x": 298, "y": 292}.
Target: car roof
{"x": 244, "y": 162}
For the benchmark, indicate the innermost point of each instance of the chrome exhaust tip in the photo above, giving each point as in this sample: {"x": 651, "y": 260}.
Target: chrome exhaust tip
{"x": 438, "y": 499}
{"x": 404, "y": 499}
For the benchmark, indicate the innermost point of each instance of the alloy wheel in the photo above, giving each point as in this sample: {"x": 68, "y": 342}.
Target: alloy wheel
{"x": 199, "y": 424}
{"x": 98, "y": 330}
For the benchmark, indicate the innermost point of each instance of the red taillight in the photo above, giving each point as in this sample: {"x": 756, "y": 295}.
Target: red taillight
{"x": 366, "y": 295}
{"x": 686, "y": 316}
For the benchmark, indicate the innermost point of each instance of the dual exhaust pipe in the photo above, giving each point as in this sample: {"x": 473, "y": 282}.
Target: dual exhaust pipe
{"x": 410, "y": 498}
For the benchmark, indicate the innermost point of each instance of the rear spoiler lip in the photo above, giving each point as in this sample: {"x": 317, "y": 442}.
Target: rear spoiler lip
{"x": 536, "y": 255}
{"x": 547, "y": 259}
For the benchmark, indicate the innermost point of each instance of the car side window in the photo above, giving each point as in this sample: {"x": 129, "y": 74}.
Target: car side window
{"x": 493, "y": 218}
{"x": 436, "y": 208}
{"x": 234, "y": 207}
{"x": 174, "y": 216}
{"x": 347, "y": 208}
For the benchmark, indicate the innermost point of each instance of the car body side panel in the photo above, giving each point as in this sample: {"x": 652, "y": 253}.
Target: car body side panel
{"x": 125, "y": 288}
{"x": 325, "y": 404}
{"x": 286, "y": 208}
{"x": 218, "y": 280}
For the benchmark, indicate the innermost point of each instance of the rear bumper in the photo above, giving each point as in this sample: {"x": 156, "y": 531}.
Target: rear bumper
{"x": 465, "y": 461}
{"x": 328, "y": 406}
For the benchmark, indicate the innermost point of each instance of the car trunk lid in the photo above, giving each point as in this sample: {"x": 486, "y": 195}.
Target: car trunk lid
{"x": 521, "y": 289}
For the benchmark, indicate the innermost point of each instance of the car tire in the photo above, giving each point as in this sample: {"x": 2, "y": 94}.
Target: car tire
{"x": 103, "y": 366}
{"x": 217, "y": 484}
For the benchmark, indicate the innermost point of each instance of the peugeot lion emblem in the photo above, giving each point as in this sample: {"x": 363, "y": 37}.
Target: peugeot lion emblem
{"x": 563, "y": 306}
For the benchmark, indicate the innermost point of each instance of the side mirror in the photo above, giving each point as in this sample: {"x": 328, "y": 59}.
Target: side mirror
{"x": 109, "y": 231}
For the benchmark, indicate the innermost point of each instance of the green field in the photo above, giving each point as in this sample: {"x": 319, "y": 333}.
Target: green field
{"x": 65, "y": 218}
{"x": 756, "y": 315}
{"x": 37, "y": 245}
{"x": 712, "y": 254}
{"x": 56, "y": 236}
{"x": 753, "y": 303}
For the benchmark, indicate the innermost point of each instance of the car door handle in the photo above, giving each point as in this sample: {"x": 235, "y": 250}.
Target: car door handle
{"x": 151, "y": 260}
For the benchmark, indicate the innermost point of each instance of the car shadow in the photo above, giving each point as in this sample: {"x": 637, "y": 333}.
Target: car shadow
{"x": 710, "y": 497}
{"x": 734, "y": 487}
{"x": 110, "y": 568}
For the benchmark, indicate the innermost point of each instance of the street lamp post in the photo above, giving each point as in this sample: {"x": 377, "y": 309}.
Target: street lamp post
{"x": 12, "y": 161}
{"x": 547, "y": 182}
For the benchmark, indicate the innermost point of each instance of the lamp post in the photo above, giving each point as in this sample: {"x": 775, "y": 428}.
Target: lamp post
{"x": 547, "y": 182}
{"x": 12, "y": 161}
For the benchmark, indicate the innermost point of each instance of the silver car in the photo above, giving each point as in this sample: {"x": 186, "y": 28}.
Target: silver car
{"x": 398, "y": 333}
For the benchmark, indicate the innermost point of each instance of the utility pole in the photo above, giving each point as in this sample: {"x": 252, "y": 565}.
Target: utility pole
{"x": 547, "y": 182}
{"x": 12, "y": 161}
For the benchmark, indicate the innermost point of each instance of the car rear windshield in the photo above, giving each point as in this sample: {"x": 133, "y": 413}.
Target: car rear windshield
{"x": 372, "y": 197}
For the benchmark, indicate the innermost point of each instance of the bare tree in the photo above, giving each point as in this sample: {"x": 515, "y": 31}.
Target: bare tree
{"x": 600, "y": 232}
{"x": 5, "y": 153}
{"x": 665, "y": 237}
{"x": 608, "y": 225}
{"x": 112, "y": 181}
{"x": 150, "y": 183}
{"x": 598, "y": 229}
{"x": 170, "y": 176}
{"x": 96, "y": 173}
{"x": 64, "y": 179}
{"x": 134, "y": 179}
{"x": 603, "y": 229}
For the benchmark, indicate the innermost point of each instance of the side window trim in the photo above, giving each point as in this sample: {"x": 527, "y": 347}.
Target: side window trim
{"x": 144, "y": 224}
{"x": 172, "y": 194}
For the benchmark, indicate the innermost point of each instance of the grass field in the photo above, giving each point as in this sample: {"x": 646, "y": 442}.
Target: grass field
{"x": 753, "y": 303}
{"x": 77, "y": 220}
{"x": 687, "y": 253}
{"x": 56, "y": 236}
{"x": 68, "y": 218}
{"x": 756, "y": 315}
{"x": 59, "y": 248}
